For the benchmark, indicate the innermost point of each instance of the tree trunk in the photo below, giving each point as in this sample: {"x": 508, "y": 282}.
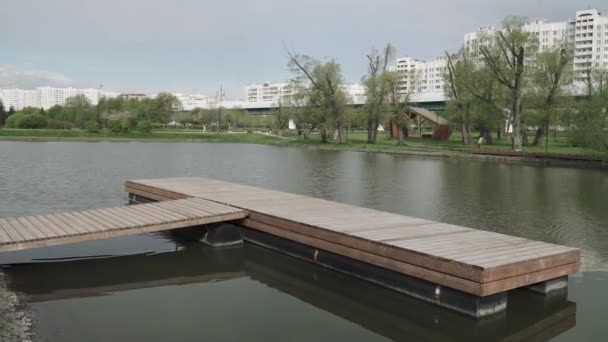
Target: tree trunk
{"x": 487, "y": 135}
{"x": 375, "y": 132}
{"x": 370, "y": 128}
{"x": 400, "y": 135}
{"x": 538, "y": 137}
{"x": 323, "y": 135}
{"x": 338, "y": 134}
{"x": 516, "y": 116}
{"x": 466, "y": 134}
{"x": 499, "y": 132}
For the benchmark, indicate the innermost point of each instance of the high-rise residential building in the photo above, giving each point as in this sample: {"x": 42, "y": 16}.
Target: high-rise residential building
{"x": 47, "y": 97}
{"x": 590, "y": 30}
{"x": 416, "y": 76}
{"x": 282, "y": 91}
{"x": 268, "y": 92}
{"x": 586, "y": 36}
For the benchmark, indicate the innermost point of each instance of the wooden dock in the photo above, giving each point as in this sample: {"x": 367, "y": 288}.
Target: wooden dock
{"x": 87, "y": 225}
{"x": 465, "y": 269}
{"x": 472, "y": 261}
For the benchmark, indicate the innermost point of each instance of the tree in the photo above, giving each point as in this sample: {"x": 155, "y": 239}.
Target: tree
{"x": 400, "y": 100}
{"x": 506, "y": 59}
{"x": 299, "y": 110}
{"x": 323, "y": 93}
{"x": 11, "y": 111}
{"x": 548, "y": 79}
{"x": 281, "y": 118}
{"x": 377, "y": 89}
{"x": 78, "y": 110}
{"x": 162, "y": 106}
{"x": 459, "y": 92}
{"x": 589, "y": 124}
{"x": 3, "y": 114}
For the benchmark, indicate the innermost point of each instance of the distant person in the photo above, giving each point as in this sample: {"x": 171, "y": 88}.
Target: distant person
{"x": 480, "y": 142}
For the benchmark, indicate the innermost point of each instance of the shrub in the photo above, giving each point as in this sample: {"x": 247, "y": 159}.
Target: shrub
{"x": 31, "y": 121}
{"x": 144, "y": 126}
{"x": 11, "y": 121}
{"x": 91, "y": 126}
{"x": 58, "y": 124}
{"x": 115, "y": 126}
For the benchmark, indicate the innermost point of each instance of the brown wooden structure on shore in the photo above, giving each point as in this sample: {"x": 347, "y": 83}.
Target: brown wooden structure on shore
{"x": 465, "y": 269}
{"x": 441, "y": 127}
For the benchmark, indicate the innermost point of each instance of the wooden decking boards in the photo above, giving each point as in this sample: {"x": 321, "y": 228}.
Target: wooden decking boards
{"x": 474, "y": 261}
{"x": 54, "y": 229}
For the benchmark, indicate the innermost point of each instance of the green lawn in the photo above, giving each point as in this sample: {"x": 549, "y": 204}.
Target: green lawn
{"x": 356, "y": 140}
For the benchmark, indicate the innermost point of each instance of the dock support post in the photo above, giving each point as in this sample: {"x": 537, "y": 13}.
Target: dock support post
{"x": 551, "y": 286}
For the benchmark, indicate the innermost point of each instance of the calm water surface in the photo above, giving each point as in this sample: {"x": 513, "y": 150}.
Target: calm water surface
{"x": 160, "y": 287}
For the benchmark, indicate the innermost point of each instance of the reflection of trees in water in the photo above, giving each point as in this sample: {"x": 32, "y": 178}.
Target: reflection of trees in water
{"x": 383, "y": 311}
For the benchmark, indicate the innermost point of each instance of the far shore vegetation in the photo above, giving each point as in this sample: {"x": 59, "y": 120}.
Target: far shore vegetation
{"x": 506, "y": 95}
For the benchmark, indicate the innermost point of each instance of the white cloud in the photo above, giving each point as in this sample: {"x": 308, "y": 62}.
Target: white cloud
{"x": 26, "y": 77}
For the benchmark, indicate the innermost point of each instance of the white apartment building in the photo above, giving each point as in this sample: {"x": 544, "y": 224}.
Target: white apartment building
{"x": 586, "y": 35}
{"x": 273, "y": 92}
{"x": 590, "y": 30}
{"x": 47, "y": 97}
{"x": 418, "y": 77}
{"x": 268, "y": 92}
{"x": 191, "y": 101}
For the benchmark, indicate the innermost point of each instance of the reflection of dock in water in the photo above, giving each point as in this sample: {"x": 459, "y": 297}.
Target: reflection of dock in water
{"x": 96, "y": 277}
{"x": 400, "y": 317}
{"x": 380, "y": 310}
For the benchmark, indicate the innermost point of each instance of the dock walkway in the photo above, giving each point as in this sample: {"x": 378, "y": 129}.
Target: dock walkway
{"x": 473, "y": 261}
{"x": 465, "y": 269}
{"x": 87, "y": 225}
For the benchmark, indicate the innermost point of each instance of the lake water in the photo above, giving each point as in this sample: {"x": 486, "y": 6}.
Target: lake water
{"x": 161, "y": 287}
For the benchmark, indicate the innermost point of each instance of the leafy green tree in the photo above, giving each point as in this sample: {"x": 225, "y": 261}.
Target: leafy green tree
{"x": 548, "y": 79}
{"x": 91, "y": 126}
{"x": 3, "y": 114}
{"x": 55, "y": 112}
{"x": 11, "y": 111}
{"x": 323, "y": 92}
{"x": 78, "y": 110}
{"x": 459, "y": 74}
{"x": 400, "y": 100}
{"x": 299, "y": 110}
{"x": 144, "y": 127}
{"x": 163, "y": 106}
{"x": 377, "y": 90}
{"x": 281, "y": 118}
{"x": 506, "y": 58}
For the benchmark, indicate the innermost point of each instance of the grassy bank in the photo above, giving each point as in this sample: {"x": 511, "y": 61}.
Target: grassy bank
{"x": 356, "y": 141}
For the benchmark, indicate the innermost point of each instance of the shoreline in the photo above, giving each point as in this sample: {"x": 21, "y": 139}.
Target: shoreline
{"x": 16, "y": 323}
{"x": 581, "y": 161}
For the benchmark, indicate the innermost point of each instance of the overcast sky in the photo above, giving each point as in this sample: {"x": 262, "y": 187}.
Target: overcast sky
{"x": 195, "y": 45}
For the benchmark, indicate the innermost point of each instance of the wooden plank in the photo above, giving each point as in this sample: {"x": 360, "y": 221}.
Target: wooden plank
{"x": 134, "y": 216}
{"x": 75, "y": 226}
{"x": 100, "y": 220}
{"x": 140, "y": 209}
{"x": 60, "y": 231}
{"x": 161, "y": 212}
{"x": 27, "y": 235}
{"x": 6, "y": 234}
{"x": 31, "y": 228}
